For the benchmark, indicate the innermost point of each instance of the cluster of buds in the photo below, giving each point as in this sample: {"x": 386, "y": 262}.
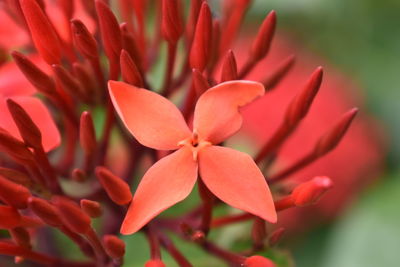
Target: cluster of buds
{"x": 78, "y": 54}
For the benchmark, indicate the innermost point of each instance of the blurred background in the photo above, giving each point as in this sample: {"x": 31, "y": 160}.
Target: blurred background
{"x": 361, "y": 39}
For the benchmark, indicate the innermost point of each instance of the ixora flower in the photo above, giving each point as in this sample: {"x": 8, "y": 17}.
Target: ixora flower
{"x": 229, "y": 174}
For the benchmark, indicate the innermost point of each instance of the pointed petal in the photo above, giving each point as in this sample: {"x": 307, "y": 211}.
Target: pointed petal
{"x": 167, "y": 182}
{"x": 152, "y": 119}
{"x": 40, "y": 116}
{"x": 217, "y": 115}
{"x": 234, "y": 178}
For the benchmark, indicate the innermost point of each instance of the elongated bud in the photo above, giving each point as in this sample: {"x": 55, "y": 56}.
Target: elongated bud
{"x": 200, "y": 51}
{"x": 9, "y": 217}
{"x": 301, "y": 104}
{"x": 258, "y": 233}
{"x": 110, "y": 32}
{"x": 194, "y": 11}
{"x": 117, "y": 189}
{"x": 279, "y": 73}
{"x": 115, "y": 247}
{"x": 21, "y": 237}
{"x": 84, "y": 40}
{"x": 310, "y": 192}
{"x": 91, "y": 208}
{"x": 14, "y": 148}
{"x": 129, "y": 70}
{"x": 172, "y": 20}
{"x": 43, "y": 33}
{"x": 15, "y": 176}
{"x": 13, "y": 194}
{"x": 263, "y": 40}
{"x": 332, "y": 138}
{"x": 154, "y": 263}
{"x": 69, "y": 82}
{"x": 87, "y": 135}
{"x": 35, "y": 76}
{"x": 45, "y": 211}
{"x": 258, "y": 261}
{"x": 276, "y": 236}
{"x": 28, "y": 130}
{"x": 129, "y": 44}
{"x": 199, "y": 82}
{"x": 71, "y": 215}
{"x": 229, "y": 68}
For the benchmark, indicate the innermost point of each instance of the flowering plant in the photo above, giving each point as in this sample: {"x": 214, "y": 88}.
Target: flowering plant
{"x": 53, "y": 159}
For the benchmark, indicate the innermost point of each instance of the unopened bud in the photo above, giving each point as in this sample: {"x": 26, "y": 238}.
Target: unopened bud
{"x": 45, "y": 211}
{"x": 310, "y": 192}
{"x": 91, "y": 208}
{"x": 258, "y": 261}
{"x": 154, "y": 263}
{"x": 9, "y": 217}
{"x": 87, "y": 135}
{"x": 14, "y": 147}
{"x": 84, "y": 40}
{"x": 263, "y": 40}
{"x": 129, "y": 70}
{"x": 229, "y": 68}
{"x": 13, "y": 194}
{"x": 117, "y": 189}
{"x": 115, "y": 247}
{"x": 172, "y": 20}
{"x": 199, "y": 82}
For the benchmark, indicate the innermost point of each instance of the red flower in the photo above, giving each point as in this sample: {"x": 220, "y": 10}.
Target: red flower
{"x": 157, "y": 123}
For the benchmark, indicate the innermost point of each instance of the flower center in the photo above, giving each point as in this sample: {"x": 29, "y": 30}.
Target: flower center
{"x": 195, "y": 144}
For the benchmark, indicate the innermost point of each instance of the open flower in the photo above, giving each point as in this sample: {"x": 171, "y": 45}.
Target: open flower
{"x": 229, "y": 174}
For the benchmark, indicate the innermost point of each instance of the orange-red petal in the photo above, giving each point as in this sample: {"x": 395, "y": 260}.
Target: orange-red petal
{"x": 167, "y": 182}
{"x": 234, "y": 178}
{"x": 151, "y": 118}
{"x": 217, "y": 115}
{"x": 40, "y": 116}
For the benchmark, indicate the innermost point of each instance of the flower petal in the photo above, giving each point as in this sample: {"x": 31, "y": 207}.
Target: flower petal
{"x": 40, "y": 116}
{"x": 167, "y": 182}
{"x": 233, "y": 177}
{"x": 152, "y": 119}
{"x": 217, "y": 115}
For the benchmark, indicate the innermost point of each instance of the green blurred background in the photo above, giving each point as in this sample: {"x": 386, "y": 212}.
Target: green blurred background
{"x": 361, "y": 38}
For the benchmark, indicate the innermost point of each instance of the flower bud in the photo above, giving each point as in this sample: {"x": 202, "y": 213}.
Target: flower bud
{"x": 279, "y": 73}
{"x": 43, "y": 33}
{"x": 91, "y": 208}
{"x": 201, "y": 47}
{"x": 154, "y": 263}
{"x": 87, "y": 135}
{"x": 117, "y": 189}
{"x": 45, "y": 211}
{"x": 310, "y": 192}
{"x": 71, "y": 215}
{"x": 115, "y": 247}
{"x": 129, "y": 70}
{"x": 13, "y": 194}
{"x": 229, "y": 68}
{"x": 84, "y": 40}
{"x": 199, "y": 82}
{"x": 69, "y": 82}
{"x": 14, "y": 148}
{"x": 172, "y": 20}
{"x": 258, "y": 261}
{"x": 263, "y": 40}
{"x": 9, "y": 217}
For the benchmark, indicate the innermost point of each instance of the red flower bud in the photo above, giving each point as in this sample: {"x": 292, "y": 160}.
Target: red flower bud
{"x": 115, "y": 247}
{"x": 14, "y": 147}
{"x": 130, "y": 45}
{"x": 85, "y": 78}
{"x": 87, "y": 135}
{"x": 201, "y": 47}
{"x": 21, "y": 237}
{"x": 332, "y": 138}
{"x": 276, "y": 236}
{"x": 300, "y": 105}
{"x": 263, "y": 40}
{"x": 91, "y": 208}
{"x": 110, "y": 32}
{"x": 36, "y": 76}
{"x": 43, "y": 33}
{"x": 229, "y": 68}
{"x": 117, "y": 189}
{"x": 13, "y": 194}
{"x": 9, "y": 217}
{"x": 193, "y": 17}
{"x": 172, "y": 20}
{"x": 28, "y": 130}
{"x": 154, "y": 263}
{"x": 84, "y": 40}
{"x": 15, "y": 176}
{"x": 258, "y": 261}
{"x": 129, "y": 70}
{"x": 78, "y": 175}
{"x": 280, "y": 72}
{"x": 71, "y": 215}
{"x": 310, "y": 192}
{"x": 45, "y": 211}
